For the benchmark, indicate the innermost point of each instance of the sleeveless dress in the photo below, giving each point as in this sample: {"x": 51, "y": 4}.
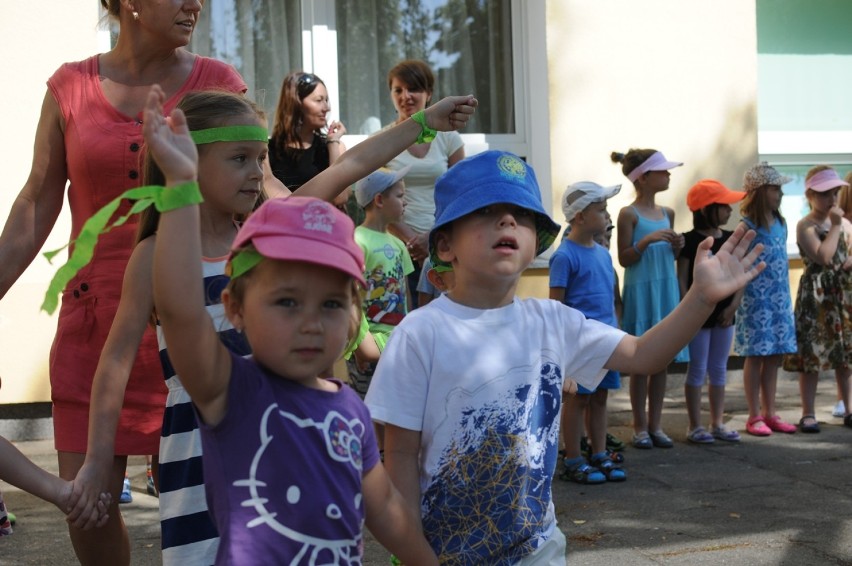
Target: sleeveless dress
{"x": 104, "y": 159}
{"x": 650, "y": 290}
{"x": 823, "y": 314}
{"x": 188, "y": 533}
{"x": 764, "y": 323}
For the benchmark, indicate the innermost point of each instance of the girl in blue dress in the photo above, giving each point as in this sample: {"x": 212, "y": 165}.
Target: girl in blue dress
{"x": 647, "y": 248}
{"x": 765, "y": 328}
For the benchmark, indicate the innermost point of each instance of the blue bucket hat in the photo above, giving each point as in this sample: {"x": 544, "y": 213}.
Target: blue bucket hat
{"x": 491, "y": 177}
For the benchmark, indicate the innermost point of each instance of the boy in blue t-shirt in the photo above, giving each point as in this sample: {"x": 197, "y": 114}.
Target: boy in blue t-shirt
{"x": 582, "y": 277}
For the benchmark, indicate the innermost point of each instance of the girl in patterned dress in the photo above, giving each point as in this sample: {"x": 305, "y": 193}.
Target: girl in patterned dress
{"x": 824, "y": 303}
{"x": 765, "y": 330}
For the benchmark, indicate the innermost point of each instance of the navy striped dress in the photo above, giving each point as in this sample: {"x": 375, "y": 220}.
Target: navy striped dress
{"x": 188, "y": 533}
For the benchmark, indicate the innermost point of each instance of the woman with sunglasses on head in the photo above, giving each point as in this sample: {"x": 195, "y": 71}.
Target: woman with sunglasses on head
{"x": 303, "y": 143}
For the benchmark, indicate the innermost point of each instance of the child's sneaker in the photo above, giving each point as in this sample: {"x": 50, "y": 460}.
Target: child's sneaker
{"x": 604, "y": 463}
{"x": 5, "y": 520}
{"x": 839, "y": 409}
{"x": 149, "y": 483}
{"x": 126, "y": 495}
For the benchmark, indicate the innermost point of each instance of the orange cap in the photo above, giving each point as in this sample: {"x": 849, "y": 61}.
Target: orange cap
{"x": 707, "y": 191}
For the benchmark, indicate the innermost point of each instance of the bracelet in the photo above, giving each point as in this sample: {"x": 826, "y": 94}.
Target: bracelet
{"x": 636, "y": 248}
{"x": 177, "y": 196}
{"x": 427, "y": 134}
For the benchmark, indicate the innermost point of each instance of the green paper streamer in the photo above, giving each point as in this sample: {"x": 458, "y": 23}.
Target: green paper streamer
{"x": 163, "y": 199}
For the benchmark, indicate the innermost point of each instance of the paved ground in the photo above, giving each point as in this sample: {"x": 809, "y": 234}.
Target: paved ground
{"x": 782, "y": 500}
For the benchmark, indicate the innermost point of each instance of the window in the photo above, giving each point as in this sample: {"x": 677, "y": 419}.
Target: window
{"x": 474, "y": 46}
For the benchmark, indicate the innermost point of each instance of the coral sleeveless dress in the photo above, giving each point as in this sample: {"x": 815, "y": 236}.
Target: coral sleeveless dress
{"x": 104, "y": 159}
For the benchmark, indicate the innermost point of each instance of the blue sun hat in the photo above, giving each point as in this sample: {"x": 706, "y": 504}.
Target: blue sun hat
{"x": 491, "y": 177}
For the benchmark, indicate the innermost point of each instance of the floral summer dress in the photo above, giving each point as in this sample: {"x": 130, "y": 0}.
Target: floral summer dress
{"x": 823, "y": 314}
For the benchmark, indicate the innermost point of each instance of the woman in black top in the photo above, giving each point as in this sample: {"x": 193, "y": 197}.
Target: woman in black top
{"x": 302, "y": 143}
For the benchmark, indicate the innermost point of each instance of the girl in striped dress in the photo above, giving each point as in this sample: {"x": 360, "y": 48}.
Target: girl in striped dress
{"x": 230, "y": 178}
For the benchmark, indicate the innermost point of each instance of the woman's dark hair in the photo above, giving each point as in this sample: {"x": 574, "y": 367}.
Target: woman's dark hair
{"x": 414, "y": 74}
{"x": 203, "y": 109}
{"x": 632, "y": 159}
{"x": 288, "y": 115}
{"x": 111, "y": 6}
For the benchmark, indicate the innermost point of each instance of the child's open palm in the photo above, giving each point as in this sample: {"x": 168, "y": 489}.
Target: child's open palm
{"x": 168, "y": 139}
{"x": 719, "y": 275}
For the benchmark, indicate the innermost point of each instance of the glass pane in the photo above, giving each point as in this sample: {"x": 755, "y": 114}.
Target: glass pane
{"x": 468, "y": 44}
{"x": 261, "y": 38}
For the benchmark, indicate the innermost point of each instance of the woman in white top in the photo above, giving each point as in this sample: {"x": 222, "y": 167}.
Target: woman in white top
{"x": 411, "y": 83}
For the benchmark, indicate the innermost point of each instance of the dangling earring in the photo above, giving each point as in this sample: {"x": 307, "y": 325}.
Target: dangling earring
{"x": 135, "y": 15}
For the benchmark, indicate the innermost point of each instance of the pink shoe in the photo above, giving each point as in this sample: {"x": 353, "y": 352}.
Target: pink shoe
{"x": 775, "y": 423}
{"x": 756, "y": 426}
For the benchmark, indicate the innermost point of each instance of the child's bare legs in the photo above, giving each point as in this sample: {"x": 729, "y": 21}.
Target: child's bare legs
{"x": 656, "y": 393}
{"x": 573, "y": 408}
{"x": 109, "y": 544}
{"x": 716, "y": 393}
{"x": 841, "y": 375}
{"x": 638, "y": 399}
{"x": 807, "y": 391}
{"x": 751, "y": 384}
{"x": 692, "y": 395}
{"x": 597, "y": 419}
{"x": 769, "y": 383}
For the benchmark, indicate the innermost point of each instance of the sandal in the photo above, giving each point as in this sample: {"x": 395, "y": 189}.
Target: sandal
{"x": 722, "y": 433}
{"x": 586, "y": 450}
{"x": 642, "y": 440}
{"x": 756, "y": 426}
{"x": 700, "y": 436}
{"x": 847, "y": 420}
{"x": 777, "y": 425}
{"x": 808, "y": 423}
{"x": 614, "y": 444}
{"x": 661, "y": 439}
{"x": 605, "y": 464}
{"x": 578, "y": 471}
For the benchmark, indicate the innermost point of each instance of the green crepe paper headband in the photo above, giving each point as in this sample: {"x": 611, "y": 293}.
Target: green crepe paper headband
{"x": 230, "y": 134}
{"x": 163, "y": 199}
{"x": 243, "y": 261}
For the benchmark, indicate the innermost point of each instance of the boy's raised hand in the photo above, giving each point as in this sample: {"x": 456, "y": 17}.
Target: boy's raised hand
{"x": 717, "y": 276}
{"x": 167, "y": 139}
{"x": 451, "y": 113}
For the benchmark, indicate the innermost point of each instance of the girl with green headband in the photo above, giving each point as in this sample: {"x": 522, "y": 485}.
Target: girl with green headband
{"x": 231, "y": 139}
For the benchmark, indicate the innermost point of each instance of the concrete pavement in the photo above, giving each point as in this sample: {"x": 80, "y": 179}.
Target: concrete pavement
{"x": 781, "y": 500}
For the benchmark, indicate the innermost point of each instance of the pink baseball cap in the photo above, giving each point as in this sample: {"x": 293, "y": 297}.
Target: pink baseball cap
{"x": 303, "y": 229}
{"x": 825, "y": 180}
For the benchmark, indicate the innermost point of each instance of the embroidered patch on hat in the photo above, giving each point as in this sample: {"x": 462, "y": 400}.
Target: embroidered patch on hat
{"x": 318, "y": 217}
{"x": 512, "y": 167}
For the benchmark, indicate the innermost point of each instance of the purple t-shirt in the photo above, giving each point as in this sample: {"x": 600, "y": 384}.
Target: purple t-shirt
{"x": 283, "y": 470}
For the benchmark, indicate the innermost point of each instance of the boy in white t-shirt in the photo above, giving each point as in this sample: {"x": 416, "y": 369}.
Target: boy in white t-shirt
{"x": 470, "y": 385}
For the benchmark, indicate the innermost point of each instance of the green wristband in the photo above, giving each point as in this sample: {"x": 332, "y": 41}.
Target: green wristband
{"x": 427, "y": 134}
